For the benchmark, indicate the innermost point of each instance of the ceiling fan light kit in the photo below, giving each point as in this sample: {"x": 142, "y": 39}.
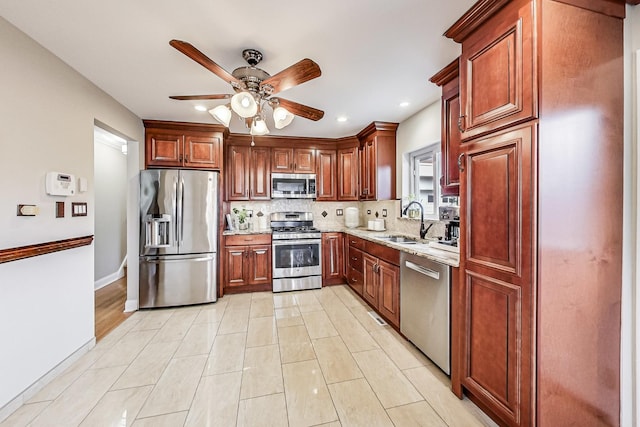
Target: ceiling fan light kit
{"x": 222, "y": 113}
{"x": 244, "y": 105}
{"x": 254, "y": 88}
{"x": 259, "y": 127}
{"x": 282, "y": 117}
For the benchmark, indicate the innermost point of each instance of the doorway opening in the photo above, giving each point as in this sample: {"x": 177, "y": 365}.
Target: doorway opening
{"x": 110, "y": 241}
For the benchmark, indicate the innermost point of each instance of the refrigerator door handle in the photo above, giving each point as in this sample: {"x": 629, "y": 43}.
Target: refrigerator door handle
{"x": 181, "y": 211}
{"x": 156, "y": 260}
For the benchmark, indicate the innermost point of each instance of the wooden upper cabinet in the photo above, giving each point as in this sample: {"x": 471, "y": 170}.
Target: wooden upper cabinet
{"x": 378, "y": 161}
{"x": 248, "y": 173}
{"x": 237, "y": 172}
{"x": 448, "y": 79}
{"x": 183, "y": 145}
{"x": 163, "y": 148}
{"x": 326, "y": 176}
{"x": 293, "y": 160}
{"x": 202, "y": 151}
{"x": 260, "y": 174}
{"x": 282, "y": 160}
{"x": 347, "y": 173}
{"x": 304, "y": 160}
{"x": 497, "y": 74}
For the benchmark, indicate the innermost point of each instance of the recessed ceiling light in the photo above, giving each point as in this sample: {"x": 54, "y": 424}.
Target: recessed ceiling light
{"x": 342, "y": 119}
{"x": 200, "y": 108}
{"x": 404, "y": 104}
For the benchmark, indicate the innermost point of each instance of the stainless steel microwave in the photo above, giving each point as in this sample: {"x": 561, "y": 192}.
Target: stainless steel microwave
{"x": 293, "y": 185}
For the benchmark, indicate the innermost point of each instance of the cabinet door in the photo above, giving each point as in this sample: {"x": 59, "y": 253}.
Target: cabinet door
{"x": 497, "y": 75}
{"x": 260, "y": 186}
{"x": 450, "y": 144}
{"x": 259, "y": 265}
{"x": 282, "y": 160}
{"x": 368, "y": 170}
{"x": 348, "y": 173}
{"x": 332, "y": 258}
{"x": 496, "y": 271}
{"x": 236, "y": 260}
{"x": 389, "y": 291}
{"x": 237, "y": 171}
{"x": 304, "y": 160}
{"x": 202, "y": 151}
{"x": 370, "y": 289}
{"x": 326, "y": 175}
{"x": 163, "y": 149}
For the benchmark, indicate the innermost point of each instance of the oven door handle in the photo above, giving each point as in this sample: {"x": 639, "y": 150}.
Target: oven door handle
{"x": 296, "y": 242}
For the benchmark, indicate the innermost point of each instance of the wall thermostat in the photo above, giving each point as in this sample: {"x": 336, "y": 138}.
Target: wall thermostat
{"x": 60, "y": 184}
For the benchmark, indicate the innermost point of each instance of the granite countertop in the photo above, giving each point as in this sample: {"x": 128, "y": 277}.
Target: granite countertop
{"x": 422, "y": 248}
{"x": 241, "y": 232}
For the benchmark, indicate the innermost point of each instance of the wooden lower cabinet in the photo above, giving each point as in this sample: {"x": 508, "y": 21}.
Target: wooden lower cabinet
{"x": 496, "y": 296}
{"x": 247, "y": 263}
{"x": 332, "y": 259}
{"x": 381, "y": 287}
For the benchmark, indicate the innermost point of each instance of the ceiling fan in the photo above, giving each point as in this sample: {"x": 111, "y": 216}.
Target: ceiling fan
{"x": 254, "y": 88}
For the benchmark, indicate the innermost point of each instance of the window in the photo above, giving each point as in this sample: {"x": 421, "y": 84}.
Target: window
{"x": 424, "y": 186}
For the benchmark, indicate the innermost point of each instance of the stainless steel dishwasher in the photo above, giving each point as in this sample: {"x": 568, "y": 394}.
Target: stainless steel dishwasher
{"x": 425, "y": 295}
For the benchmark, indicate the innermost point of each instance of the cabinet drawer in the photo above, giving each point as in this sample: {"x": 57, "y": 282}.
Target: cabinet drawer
{"x": 383, "y": 252}
{"x": 355, "y": 279}
{"x": 248, "y": 239}
{"x": 355, "y": 242}
{"x": 355, "y": 258}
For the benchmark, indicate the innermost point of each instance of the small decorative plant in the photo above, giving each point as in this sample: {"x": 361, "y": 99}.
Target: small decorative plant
{"x": 241, "y": 215}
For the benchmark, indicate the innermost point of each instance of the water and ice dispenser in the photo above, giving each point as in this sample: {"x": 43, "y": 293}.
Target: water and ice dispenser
{"x": 158, "y": 231}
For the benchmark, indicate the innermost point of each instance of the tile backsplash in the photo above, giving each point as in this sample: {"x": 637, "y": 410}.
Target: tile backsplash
{"x": 331, "y": 221}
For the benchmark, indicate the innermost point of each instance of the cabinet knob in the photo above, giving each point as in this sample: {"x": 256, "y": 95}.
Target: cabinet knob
{"x": 460, "y": 162}
{"x": 186, "y": 158}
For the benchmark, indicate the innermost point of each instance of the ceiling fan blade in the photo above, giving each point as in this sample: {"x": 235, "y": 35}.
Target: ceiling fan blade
{"x": 197, "y": 97}
{"x": 298, "y": 73}
{"x": 300, "y": 110}
{"x": 202, "y": 59}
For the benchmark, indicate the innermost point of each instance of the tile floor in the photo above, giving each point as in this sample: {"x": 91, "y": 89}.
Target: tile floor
{"x": 298, "y": 359}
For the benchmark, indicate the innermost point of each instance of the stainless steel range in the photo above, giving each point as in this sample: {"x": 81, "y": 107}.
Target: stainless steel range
{"x": 297, "y": 252}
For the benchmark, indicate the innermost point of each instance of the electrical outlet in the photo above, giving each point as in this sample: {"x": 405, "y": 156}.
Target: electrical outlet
{"x": 368, "y": 211}
{"x": 338, "y": 212}
{"x": 384, "y": 213}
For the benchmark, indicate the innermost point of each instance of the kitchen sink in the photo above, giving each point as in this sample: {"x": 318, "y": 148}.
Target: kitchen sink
{"x": 398, "y": 239}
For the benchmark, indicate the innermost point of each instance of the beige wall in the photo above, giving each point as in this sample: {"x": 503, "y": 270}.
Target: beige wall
{"x": 419, "y": 130}
{"x": 47, "y": 113}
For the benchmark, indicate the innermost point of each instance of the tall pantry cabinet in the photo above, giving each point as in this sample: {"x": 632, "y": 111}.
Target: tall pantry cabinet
{"x": 541, "y": 122}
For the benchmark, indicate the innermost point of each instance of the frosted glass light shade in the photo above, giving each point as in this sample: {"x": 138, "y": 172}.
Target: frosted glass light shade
{"x": 244, "y": 104}
{"x": 259, "y": 127}
{"x": 282, "y": 117}
{"x": 221, "y": 113}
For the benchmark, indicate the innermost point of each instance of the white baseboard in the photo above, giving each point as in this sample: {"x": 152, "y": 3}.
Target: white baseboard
{"x": 101, "y": 283}
{"x": 131, "y": 305}
{"x": 39, "y": 384}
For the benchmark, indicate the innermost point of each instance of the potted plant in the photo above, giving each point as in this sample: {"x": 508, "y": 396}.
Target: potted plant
{"x": 241, "y": 215}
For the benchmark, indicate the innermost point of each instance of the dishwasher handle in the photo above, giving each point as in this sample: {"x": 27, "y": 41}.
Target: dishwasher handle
{"x": 422, "y": 270}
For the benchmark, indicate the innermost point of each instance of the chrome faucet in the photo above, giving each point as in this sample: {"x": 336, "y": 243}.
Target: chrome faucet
{"x": 423, "y": 230}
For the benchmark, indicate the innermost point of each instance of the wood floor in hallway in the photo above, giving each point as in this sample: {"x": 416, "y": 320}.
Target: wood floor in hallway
{"x": 109, "y": 307}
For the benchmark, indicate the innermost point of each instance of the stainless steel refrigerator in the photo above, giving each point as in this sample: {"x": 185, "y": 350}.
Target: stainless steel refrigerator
{"x": 178, "y": 237}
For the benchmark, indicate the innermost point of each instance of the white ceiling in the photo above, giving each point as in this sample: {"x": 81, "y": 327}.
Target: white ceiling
{"x": 373, "y": 54}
